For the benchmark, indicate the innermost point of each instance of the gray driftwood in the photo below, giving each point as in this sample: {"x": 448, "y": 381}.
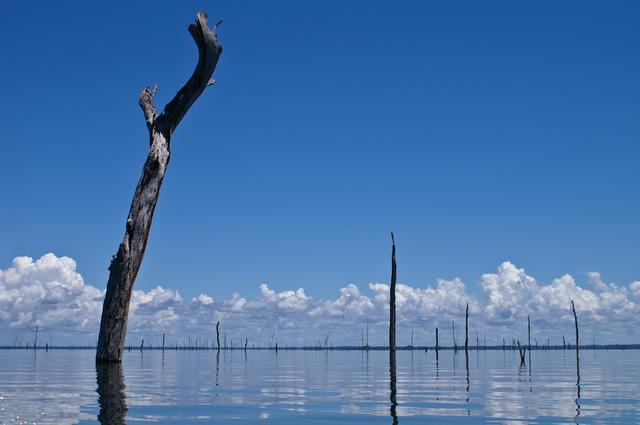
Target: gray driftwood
{"x": 126, "y": 263}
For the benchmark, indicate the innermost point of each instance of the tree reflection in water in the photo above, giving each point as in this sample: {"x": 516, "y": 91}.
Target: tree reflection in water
{"x": 577, "y": 387}
{"x": 111, "y": 397}
{"x": 392, "y": 385}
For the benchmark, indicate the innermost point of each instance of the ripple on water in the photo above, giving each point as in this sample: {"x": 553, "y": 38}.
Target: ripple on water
{"x": 60, "y": 387}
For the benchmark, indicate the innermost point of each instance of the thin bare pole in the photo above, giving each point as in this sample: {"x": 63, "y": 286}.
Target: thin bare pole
{"x": 575, "y": 320}
{"x": 466, "y": 330}
{"x": 367, "y": 336}
{"x": 218, "y": 335}
{"x": 392, "y": 298}
{"x": 529, "y": 338}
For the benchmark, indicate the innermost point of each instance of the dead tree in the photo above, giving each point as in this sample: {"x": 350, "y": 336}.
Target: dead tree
{"x": 529, "y": 338}
{"x": 392, "y": 297}
{"x": 477, "y": 341}
{"x": 529, "y": 332}
{"x": 453, "y": 335}
{"x": 575, "y": 320}
{"x": 126, "y": 263}
{"x": 367, "y": 346}
{"x": 466, "y": 330}
{"x": 522, "y": 352}
{"x": 218, "y": 334}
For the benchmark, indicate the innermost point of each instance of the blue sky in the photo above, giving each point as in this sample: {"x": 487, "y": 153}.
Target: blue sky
{"x": 479, "y": 132}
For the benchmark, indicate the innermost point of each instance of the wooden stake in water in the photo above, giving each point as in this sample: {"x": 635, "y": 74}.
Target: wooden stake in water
{"x": 218, "y": 334}
{"x": 367, "y": 336}
{"x": 392, "y": 298}
{"x": 575, "y": 320}
{"x": 466, "y": 330}
{"x": 529, "y": 337}
{"x": 522, "y": 352}
{"x": 453, "y": 333}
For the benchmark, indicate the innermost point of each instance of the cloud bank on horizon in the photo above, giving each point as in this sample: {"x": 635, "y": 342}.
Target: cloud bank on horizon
{"x": 50, "y": 293}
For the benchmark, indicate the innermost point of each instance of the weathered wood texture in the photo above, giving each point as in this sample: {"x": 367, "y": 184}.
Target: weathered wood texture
{"x": 126, "y": 263}
{"x": 392, "y": 297}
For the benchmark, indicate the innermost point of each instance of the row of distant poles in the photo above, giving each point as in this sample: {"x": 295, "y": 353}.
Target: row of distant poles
{"x": 392, "y": 338}
{"x": 521, "y": 349}
{"x": 273, "y": 344}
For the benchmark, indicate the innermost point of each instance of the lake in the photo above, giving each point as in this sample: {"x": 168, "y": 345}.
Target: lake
{"x": 338, "y": 387}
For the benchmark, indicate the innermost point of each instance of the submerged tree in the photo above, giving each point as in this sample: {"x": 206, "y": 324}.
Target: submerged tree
{"x": 392, "y": 297}
{"x": 126, "y": 263}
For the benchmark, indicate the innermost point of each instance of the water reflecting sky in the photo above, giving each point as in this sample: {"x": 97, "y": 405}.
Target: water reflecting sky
{"x": 64, "y": 387}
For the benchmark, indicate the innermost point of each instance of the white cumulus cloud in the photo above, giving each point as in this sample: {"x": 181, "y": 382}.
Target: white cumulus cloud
{"x": 50, "y": 293}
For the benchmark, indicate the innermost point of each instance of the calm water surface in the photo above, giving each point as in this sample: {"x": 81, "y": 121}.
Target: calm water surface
{"x": 338, "y": 387}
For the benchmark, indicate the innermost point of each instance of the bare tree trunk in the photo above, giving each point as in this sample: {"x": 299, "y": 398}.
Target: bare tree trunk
{"x": 126, "y": 263}
{"x": 392, "y": 297}
{"x": 367, "y": 347}
{"x": 218, "y": 334}
{"x": 437, "y": 344}
{"x": 575, "y": 319}
{"x": 522, "y": 352}
{"x": 453, "y": 335}
{"x": 529, "y": 338}
{"x": 466, "y": 330}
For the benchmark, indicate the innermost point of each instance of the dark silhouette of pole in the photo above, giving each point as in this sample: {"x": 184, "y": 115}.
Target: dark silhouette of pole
{"x": 437, "y": 344}
{"x": 218, "y": 335}
{"x": 453, "y": 333}
{"x": 575, "y": 319}
{"x": 466, "y": 330}
{"x": 392, "y": 297}
{"x": 367, "y": 337}
{"x": 529, "y": 338}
